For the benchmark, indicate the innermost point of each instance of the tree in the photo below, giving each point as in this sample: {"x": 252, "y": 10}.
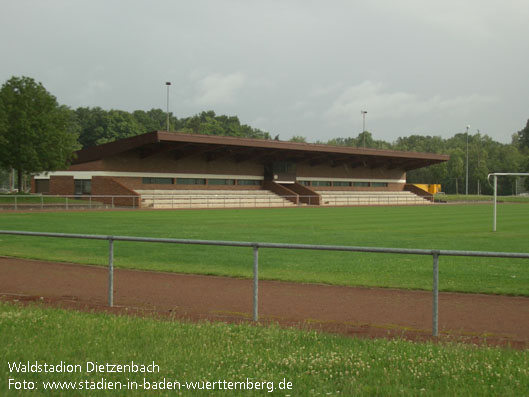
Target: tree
{"x": 156, "y": 120}
{"x": 298, "y": 138}
{"x": 100, "y": 126}
{"x": 36, "y": 134}
{"x": 209, "y": 123}
{"x": 365, "y": 139}
{"x": 523, "y": 136}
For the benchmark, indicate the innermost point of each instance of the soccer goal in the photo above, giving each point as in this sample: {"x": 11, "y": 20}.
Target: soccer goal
{"x": 496, "y": 175}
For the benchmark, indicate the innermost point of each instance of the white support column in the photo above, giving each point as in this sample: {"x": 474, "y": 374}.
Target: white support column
{"x": 495, "y": 175}
{"x": 495, "y": 202}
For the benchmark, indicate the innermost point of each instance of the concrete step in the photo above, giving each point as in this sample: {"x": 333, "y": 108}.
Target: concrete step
{"x": 211, "y": 199}
{"x": 204, "y": 192}
{"x": 345, "y": 198}
{"x": 228, "y": 205}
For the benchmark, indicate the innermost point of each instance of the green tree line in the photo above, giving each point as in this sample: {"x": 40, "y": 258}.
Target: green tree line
{"x": 37, "y": 134}
{"x": 98, "y": 126}
{"x": 484, "y": 156}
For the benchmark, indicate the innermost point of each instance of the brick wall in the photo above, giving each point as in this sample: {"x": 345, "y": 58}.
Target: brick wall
{"x": 108, "y": 186}
{"x": 196, "y": 164}
{"x": 62, "y": 185}
{"x": 282, "y": 191}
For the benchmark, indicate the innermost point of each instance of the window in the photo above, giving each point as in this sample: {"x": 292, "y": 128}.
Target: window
{"x": 379, "y": 184}
{"x": 339, "y": 183}
{"x": 190, "y": 181}
{"x": 83, "y": 186}
{"x": 304, "y": 183}
{"x": 42, "y": 185}
{"x": 158, "y": 181}
{"x": 221, "y": 181}
{"x": 248, "y": 182}
{"x": 361, "y": 184}
{"x": 321, "y": 183}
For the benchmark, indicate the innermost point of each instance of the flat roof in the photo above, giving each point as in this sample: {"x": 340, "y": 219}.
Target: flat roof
{"x": 241, "y": 149}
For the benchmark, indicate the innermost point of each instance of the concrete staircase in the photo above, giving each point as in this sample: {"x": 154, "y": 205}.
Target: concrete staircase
{"x": 351, "y": 198}
{"x": 211, "y": 199}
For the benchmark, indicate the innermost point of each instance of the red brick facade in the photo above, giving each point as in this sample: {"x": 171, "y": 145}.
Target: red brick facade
{"x": 62, "y": 185}
{"x": 108, "y": 186}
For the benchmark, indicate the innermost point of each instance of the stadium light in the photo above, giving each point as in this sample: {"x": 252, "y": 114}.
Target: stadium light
{"x": 466, "y": 189}
{"x": 168, "y": 84}
{"x": 364, "y": 112}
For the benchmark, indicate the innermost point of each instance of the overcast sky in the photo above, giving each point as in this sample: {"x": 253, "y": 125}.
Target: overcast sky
{"x": 289, "y": 67}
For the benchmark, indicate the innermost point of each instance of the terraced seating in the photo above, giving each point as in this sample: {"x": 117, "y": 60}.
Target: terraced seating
{"x": 351, "y": 198}
{"x": 211, "y": 199}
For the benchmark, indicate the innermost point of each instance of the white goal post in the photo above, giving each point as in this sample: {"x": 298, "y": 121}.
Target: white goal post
{"x": 496, "y": 175}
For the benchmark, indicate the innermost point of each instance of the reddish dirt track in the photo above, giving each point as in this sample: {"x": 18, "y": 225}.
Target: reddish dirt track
{"x": 369, "y": 312}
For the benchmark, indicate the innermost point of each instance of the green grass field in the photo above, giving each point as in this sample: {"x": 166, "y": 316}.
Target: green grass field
{"x": 314, "y": 363}
{"x": 465, "y": 227}
{"x": 480, "y": 198}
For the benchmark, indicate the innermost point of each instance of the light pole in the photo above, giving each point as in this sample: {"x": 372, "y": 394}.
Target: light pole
{"x": 168, "y": 84}
{"x": 478, "y": 173}
{"x": 364, "y": 112}
{"x": 466, "y": 189}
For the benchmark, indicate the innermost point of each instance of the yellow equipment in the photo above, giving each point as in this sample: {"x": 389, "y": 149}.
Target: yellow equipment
{"x": 430, "y": 188}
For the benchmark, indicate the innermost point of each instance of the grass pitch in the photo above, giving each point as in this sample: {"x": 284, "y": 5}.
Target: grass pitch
{"x": 313, "y": 363}
{"x": 461, "y": 227}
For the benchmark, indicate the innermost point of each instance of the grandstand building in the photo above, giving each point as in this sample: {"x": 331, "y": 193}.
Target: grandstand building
{"x": 176, "y": 170}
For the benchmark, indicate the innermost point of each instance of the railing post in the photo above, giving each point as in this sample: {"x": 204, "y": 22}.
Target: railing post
{"x": 112, "y": 201}
{"x": 41, "y": 202}
{"x": 255, "y": 282}
{"x": 495, "y": 203}
{"x": 110, "y": 272}
{"x": 435, "y": 300}
{"x": 15, "y": 203}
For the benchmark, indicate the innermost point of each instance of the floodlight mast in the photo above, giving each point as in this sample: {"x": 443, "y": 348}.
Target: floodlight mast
{"x": 168, "y": 83}
{"x": 466, "y": 178}
{"x": 496, "y": 175}
{"x": 364, "y": 112}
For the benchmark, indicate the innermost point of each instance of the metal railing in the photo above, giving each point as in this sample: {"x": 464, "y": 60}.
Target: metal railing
{"x": 256, "y": 245}
{"x": 21, "y": 202}
{"x": 375, "y": 199}
{"x": 176, "y": 201}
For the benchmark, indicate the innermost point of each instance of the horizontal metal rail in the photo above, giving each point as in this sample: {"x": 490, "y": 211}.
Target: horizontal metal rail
{"x": 16, "y": 201}
{"x": 435, "y": 253}
{"x": 215, "y": 200}
{"x": 383, "y": 250}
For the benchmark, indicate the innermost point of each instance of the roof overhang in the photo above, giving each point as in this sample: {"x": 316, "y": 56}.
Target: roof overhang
{"x": 213, "y": 147}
